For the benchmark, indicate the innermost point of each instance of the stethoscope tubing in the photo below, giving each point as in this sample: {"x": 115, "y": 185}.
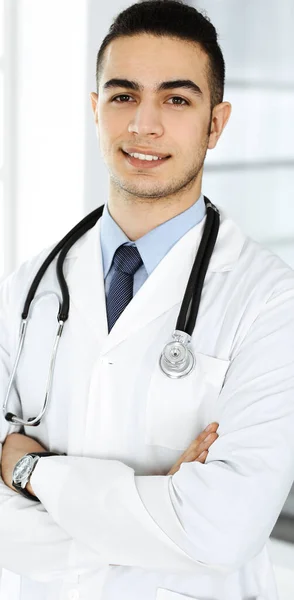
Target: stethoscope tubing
{"x": 185, "y": 322}
{"x": 84, "y": 225}
{"x": 191, "y": 301}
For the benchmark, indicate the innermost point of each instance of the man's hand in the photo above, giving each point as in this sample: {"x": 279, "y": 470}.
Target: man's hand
{"x": 198, "y": 449}
{"x": 15, "y": 447}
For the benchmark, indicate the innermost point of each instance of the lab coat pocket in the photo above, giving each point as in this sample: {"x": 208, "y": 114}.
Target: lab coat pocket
{"x": 178, "y": 410}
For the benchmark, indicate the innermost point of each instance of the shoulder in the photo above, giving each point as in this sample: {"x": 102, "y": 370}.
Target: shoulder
{"x": 256, "y": 291}
{"x": 14, "y": 287}
{"x": 254, "y": 265}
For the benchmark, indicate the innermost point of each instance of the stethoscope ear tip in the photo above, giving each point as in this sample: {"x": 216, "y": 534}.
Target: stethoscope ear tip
{"x": 9, "y": 417}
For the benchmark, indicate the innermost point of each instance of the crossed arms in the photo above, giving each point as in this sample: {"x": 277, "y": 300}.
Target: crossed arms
{"x": 216, "y": 515}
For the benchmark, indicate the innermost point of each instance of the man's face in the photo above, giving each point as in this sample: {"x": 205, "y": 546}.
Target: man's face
{"x": 171, "y": 122}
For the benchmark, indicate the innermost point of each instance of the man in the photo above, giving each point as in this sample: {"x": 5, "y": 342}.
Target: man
{"x": 132, "y": 510}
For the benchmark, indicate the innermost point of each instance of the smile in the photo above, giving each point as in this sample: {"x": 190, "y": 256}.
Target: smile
{"x": 147, "y": 163}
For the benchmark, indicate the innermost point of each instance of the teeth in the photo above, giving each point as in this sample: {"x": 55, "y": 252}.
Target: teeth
{"x": 144, "y": 156}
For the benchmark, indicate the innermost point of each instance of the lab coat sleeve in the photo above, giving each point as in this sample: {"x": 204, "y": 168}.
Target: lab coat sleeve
{"x": 31, "y": 543}
{"x": 216, "y": 515}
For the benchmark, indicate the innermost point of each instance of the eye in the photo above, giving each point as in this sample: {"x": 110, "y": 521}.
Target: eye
{"x": 181, "y": 99}
{"x": 120, "y": 96}
{"x": 123, "y": 99}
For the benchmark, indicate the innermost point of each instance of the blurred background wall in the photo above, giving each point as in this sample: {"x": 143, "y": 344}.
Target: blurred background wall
{"x": 51, "y": 172}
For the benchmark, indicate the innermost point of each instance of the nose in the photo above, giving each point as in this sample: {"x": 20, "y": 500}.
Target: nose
{"x": 146, "y": 120}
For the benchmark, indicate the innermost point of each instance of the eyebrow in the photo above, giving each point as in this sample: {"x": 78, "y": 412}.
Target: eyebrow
{"x": 164, "y": 85}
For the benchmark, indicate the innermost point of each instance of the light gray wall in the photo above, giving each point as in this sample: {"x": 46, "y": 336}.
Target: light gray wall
{"x": 251, "y": 173}
{"x": 96, "y": 174}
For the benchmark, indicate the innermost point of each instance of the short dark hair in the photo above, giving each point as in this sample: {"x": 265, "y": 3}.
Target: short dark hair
{"x": 170, "y": 18}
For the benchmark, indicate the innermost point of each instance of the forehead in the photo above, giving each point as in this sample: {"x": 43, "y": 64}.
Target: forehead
{"x": 151, "y": 59}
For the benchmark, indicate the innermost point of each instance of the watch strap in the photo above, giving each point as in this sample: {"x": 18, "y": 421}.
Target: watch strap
{"x": 43, "y": 454}
{"x": 25, "y": 492}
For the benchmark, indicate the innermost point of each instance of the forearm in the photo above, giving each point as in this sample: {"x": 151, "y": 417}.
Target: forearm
{"x": 97, "y": 502}
{"x": 32, "y": 544}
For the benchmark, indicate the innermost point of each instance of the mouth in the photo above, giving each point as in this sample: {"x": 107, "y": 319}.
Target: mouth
{"x": 145, "y": 164}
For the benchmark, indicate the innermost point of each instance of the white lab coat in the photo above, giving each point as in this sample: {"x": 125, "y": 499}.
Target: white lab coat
{"x": 111, "y": 524}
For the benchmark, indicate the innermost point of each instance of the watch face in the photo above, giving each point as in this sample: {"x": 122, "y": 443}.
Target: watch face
{"x": 22, "y": 468}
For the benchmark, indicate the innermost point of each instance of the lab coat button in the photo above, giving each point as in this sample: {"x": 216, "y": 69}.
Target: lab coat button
{"x": 73, "y": 595}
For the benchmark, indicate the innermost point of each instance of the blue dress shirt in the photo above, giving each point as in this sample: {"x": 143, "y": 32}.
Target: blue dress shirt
{"x": 153, "y": 246}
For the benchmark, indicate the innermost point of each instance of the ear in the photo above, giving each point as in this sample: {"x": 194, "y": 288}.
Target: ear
{"x": 220, "y": 116}
{"x": 94, "y": 100}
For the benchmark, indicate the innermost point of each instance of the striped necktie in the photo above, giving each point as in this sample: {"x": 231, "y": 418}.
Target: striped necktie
{"x": 126, "y": 262}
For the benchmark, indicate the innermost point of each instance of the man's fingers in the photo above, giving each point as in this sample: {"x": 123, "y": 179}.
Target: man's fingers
{"x": 198, "y": 452}
{"x": 201, "y": 458}
{"x": 198, "y": 449}
{"x": 204, "y": 434}
{"x": 195, "y": 451}
{"x": 202, "y": 442}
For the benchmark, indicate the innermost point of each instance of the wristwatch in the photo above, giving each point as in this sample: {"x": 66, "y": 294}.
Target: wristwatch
{"x": 23, "y": 470}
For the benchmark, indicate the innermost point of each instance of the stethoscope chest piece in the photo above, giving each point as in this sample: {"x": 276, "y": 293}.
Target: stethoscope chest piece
{"x": 176, "y": 359}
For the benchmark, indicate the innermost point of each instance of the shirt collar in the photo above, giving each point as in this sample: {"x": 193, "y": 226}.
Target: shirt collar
{"x": 155, "y": 244}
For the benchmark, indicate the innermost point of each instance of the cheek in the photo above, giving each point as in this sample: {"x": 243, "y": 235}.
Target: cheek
{"x": 197, "y": 136}
{"x": 111, "y": 130}
{"x": 184, "y": 126}
{"x": 187, "y": 136}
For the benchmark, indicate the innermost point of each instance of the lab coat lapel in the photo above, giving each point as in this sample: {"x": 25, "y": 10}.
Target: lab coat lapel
{"x": 86, "y": 284}
{"x": 163, "y": 289}
{"x": 166, "y": 285}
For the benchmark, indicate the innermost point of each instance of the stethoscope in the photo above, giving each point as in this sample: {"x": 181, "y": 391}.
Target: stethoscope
{"x": 176, "y": 360}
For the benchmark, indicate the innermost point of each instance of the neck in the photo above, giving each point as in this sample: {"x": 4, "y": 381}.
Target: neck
{"x": 137, "y": 216}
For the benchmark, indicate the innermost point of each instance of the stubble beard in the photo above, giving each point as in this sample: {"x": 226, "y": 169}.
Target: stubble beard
{"x": 173, "y": 189}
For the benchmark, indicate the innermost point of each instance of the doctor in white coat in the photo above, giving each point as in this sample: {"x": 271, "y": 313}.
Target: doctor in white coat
{"x": 112, "y": 522}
